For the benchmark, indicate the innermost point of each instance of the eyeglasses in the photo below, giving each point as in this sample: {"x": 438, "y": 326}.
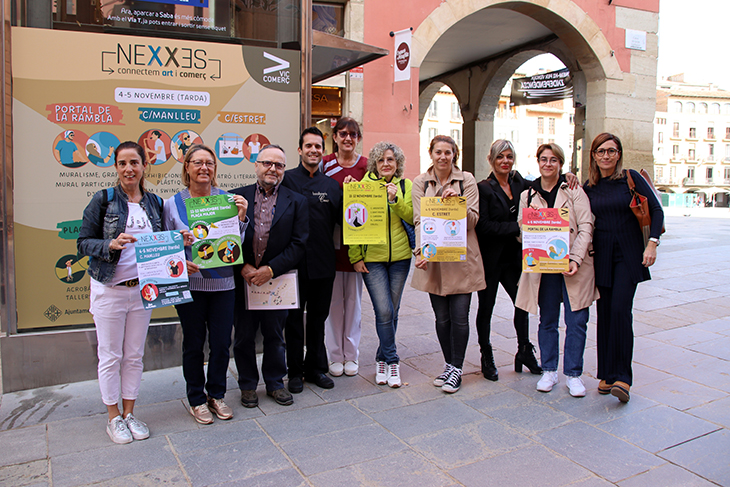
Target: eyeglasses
{"x": 544, "y": 161}
{"x": 280, "y": 166}
{"x": 602, "y": 152}
{"x": 203, "y": 163}
{"x": 343, "y": 134}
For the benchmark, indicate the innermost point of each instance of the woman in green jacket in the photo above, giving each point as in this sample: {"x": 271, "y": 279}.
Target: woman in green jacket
{"x": 385, "y": 267}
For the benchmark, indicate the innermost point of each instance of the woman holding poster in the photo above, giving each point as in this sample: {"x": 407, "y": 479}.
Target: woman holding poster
{"x": 111, "y": 220}
{"x": 621, "y": 260}
{"x": 211, "y": 311}
{"x": 385, "y": 267}
{"x": 576, "y": 288}
{"x": 449, "y": 284}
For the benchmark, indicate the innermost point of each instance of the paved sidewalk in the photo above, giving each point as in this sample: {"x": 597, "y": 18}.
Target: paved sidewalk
{"x": 675, "y": 431}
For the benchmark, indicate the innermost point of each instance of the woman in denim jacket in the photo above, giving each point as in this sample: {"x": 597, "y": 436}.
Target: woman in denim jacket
{"x": 107, "y": 236}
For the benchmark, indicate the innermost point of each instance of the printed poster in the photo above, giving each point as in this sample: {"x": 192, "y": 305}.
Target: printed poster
{"x": 278, "y": 293}
{"x": 163, "y": 275}
{"x": 365, "y": 213}
{"x": 82, "y": 94}
{"x": 443, "y": 229}
{"x": 214, "y": 223}
{"x": 545, "y": 240}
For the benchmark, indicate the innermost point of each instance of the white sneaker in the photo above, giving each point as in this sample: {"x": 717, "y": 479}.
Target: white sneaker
{"x": 547, "y": 381}
{"x": 336, "y": 369}
{"x": 351, "y": 368}
{"x": 139, "y": 430}
{"x": 577, "y": 389}
{"x": 381, "y": 373}
{"x": 394, "y": 375}
{"x": 118, "y": 431}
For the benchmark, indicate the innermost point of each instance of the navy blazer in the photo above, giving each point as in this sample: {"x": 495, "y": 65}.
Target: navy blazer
{"x": 497, "y": 228}
{"x": 288, "y": 234}
{"x": 617, "y": 229}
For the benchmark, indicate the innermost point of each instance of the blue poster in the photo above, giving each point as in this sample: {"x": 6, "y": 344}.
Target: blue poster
{"x": 163, "y": 274}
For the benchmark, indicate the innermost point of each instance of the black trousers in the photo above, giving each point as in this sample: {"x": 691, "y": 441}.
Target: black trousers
{"x": 314, "y": 295}
{"x": 615, "y": 334}
{"x": 508, "y": 275}
{"x": 210, "y": 315}
{"x": 273, "y": 367}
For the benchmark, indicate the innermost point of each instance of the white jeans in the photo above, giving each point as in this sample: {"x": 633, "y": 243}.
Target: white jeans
{"x": 342, "y": 329}
{"x": 121, "y": 329}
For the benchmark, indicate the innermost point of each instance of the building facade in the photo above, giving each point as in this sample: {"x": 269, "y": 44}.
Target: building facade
{"x": 692, "y": 141}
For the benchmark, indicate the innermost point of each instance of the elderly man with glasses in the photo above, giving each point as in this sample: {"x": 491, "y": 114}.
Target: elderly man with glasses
{"x": 274, "y": 243}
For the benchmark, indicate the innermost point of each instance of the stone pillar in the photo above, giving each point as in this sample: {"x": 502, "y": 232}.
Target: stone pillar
{"x": 477, "y": 138}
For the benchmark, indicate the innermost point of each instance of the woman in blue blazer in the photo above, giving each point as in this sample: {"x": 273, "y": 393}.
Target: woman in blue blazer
{"x": 621, "y": 261}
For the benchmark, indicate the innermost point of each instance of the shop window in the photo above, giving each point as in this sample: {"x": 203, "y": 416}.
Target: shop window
{"x": 328, "y": 18}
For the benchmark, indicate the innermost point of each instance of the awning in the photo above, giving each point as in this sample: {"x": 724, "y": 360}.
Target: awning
{"x": 333, "y": 55}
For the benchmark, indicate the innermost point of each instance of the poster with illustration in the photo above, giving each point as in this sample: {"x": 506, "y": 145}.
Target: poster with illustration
{"x": 443, "y": 229}
{"x": 165, "y": 94}
{"x": 545, "y": 240}
{"x": 163, "y": 275}
{"x": 365, "y": 215}
{"x": 214, "y": 223}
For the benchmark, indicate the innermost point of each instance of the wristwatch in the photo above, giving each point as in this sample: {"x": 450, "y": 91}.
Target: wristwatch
{"x": 655, "y": 240}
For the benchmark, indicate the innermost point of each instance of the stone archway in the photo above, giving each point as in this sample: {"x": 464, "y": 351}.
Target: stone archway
{"x": 578, "y": 41}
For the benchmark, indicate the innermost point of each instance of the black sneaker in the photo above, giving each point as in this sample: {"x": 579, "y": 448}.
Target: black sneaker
{"x": 453, "y": 382}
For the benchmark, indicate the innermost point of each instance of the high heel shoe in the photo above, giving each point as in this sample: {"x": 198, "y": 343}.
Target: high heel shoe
{"x": 526, "y": 356}
{"x": 488, "y": 368}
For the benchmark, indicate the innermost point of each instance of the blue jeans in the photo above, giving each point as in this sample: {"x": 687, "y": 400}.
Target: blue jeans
{"x": 385, "y": 284}
{"x": 452, "y": 325}
{"x": 552, "y": 292}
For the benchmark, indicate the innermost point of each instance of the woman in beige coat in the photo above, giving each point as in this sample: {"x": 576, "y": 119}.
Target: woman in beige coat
{"x": 576, "y": 288}
{"x": 449, "y": 284}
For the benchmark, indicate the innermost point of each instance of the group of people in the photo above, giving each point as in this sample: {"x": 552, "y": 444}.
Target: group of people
{"x": 290, "y": 220}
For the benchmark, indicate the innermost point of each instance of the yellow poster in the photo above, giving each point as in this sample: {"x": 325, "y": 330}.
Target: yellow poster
{"x": 443, "y": 229}
{"x": 81, "y": 94}
{"x": 545, "y": 240}
{"x": 365, "y": 213}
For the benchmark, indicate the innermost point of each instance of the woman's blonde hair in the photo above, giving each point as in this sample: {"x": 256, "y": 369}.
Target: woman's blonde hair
{"x": 555, "y": 148}
{"x": 499, "y": 146}
{"x": 185, "y": 176}
{"x": 594, "y": 173}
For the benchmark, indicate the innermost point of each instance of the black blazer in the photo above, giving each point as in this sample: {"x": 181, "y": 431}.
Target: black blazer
{"x": 497, "y": 228}
{"x": 616, "y": 227}
{"x": 288, "y": 234}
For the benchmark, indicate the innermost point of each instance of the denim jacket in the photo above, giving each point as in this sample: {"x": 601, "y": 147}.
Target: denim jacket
{"x": 104, "y": 220}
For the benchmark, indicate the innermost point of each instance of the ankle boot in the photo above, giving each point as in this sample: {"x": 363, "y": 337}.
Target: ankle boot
{"x": 526, "y": 356}
{"x": 488, "y": 368}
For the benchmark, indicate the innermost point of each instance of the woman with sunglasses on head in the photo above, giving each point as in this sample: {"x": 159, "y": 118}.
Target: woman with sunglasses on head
{"x": 621, "y": 261}
{"x": 449, "y": 284}
{"x": 575, "y": 288}
{"x": 342, "y": 328}
{"x": 211, "y": 311}
{"x": 111, "y": 220}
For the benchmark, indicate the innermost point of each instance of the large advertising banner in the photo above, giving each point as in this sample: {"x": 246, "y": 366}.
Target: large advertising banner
{"x": 542, "y": 88}
{"x": 81, "y": 94}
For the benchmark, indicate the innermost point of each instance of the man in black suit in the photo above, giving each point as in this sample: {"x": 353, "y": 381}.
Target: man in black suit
{"x": 317, "y": 269}
{"x": 274, "y": 244}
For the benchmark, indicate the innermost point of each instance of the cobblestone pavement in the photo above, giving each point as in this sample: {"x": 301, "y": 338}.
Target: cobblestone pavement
{"x": 675, "y": 431}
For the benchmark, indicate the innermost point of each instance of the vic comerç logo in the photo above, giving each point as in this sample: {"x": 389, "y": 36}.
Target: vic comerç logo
{"x": 282, "y": 67}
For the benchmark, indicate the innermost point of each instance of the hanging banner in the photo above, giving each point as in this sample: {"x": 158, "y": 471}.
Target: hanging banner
{"x": 365, "y": 214}
{"x": 542, "y": 88}
{"x": 545, "y": 240}
{"x": 163, "y": 275}
{"x": 443, "y": 229}
{"x": 402, "y": 55}
{"x": 82, "y": 94}
{"x": 214, "y": 224}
